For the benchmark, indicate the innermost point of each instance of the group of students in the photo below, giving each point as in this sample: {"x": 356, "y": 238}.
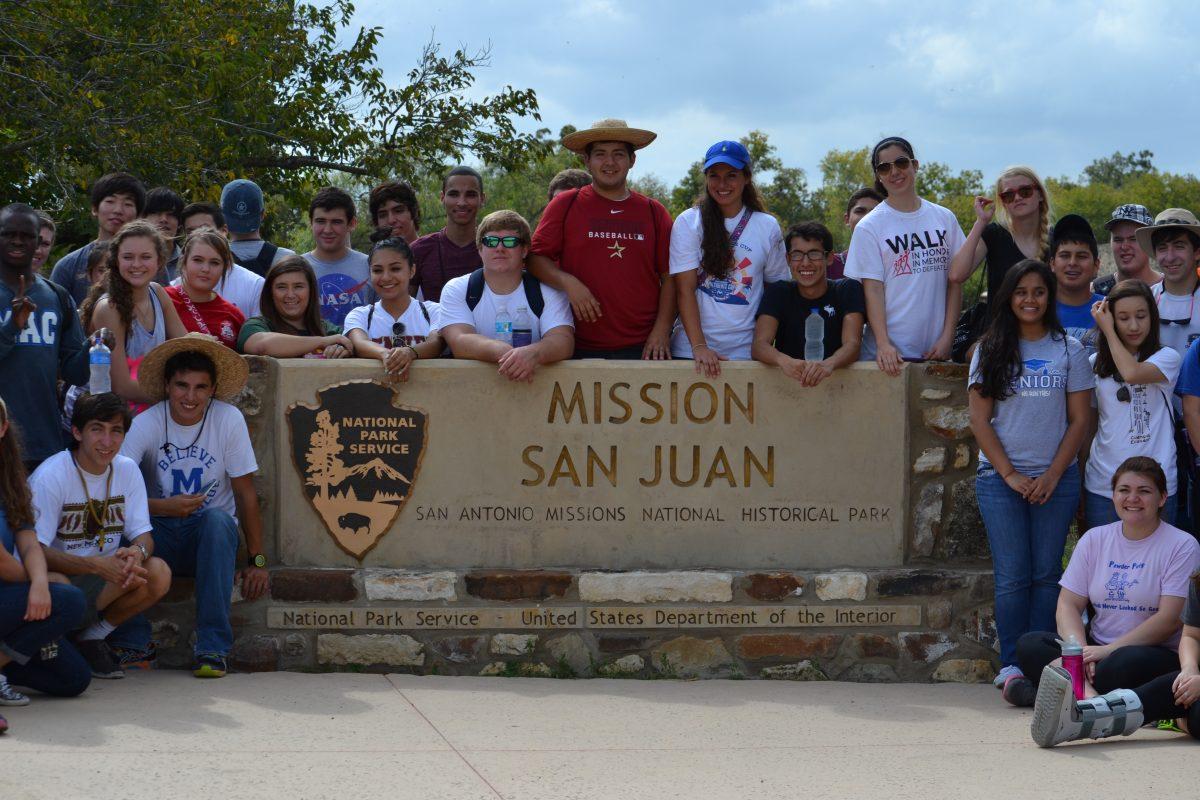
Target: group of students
{"x": 1072, "y": 393}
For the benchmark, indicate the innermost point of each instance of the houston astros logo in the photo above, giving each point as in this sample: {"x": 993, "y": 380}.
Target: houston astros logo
{"x": 617, "y": 250}
{"x": 358, "y": 455}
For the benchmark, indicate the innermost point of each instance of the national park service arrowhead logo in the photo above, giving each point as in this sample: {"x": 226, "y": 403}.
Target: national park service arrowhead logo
{"x": 358, "y": 455}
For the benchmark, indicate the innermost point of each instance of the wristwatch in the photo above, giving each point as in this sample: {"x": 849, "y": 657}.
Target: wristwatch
{"x": 258, "y": 560}
{"x": 145, "y": 553}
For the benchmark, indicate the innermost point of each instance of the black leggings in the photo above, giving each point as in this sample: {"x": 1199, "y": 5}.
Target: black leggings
{"x": 1133, "y": 665}
{"x": 1158, "y": 702}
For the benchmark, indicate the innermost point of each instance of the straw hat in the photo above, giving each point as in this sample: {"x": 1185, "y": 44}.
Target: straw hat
{"x": 608, "y": 130}
{"x": 1178, "y": 218}
{"x": 232, "y": 369}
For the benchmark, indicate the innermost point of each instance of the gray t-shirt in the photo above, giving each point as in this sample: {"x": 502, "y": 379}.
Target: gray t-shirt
{"x": 1191, "y": 609}
{"x": 248, "y": 249}
{"x": 1031, "y": 422}
{"x": 343, "y": 284}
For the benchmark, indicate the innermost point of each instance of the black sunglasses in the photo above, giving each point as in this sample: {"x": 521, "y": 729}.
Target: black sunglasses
{"x": 397, "y": 332}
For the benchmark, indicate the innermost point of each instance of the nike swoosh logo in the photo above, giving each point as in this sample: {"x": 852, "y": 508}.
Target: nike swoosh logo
{"x": 615, "y": 210}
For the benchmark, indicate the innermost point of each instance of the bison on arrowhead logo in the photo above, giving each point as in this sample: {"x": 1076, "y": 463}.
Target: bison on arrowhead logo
{"x": 358, "y": 454}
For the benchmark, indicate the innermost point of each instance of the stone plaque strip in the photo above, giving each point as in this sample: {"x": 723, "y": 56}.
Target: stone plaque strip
{"x": 596, "y": 617}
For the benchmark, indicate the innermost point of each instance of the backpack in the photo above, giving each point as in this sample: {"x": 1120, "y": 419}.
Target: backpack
{"x": 532, "y": 286}
{"x": 261, "y": 262}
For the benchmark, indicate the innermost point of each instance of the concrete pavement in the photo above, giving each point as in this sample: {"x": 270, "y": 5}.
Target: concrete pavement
{"x": 164, "y": 734}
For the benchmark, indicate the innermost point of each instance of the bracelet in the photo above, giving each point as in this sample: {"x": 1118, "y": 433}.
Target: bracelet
{"x": 416, "y": 355}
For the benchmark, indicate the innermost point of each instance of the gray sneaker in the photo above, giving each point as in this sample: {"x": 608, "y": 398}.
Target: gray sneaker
{"x": 10, "y": 696}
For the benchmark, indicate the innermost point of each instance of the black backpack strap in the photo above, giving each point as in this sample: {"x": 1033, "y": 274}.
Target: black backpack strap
{"x": 370, "y": 316}
{"x": 533, "y": 294}
{"x": 475, "y": 288}
{"x": 424, "y": 311}
{"x": 261, "y": 262}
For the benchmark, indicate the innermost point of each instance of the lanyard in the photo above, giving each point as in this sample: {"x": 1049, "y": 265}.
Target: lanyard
{"x": 741, "y": 226}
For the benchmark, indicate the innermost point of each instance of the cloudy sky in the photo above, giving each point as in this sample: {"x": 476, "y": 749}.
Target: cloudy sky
{"x": 1054, "y": 85}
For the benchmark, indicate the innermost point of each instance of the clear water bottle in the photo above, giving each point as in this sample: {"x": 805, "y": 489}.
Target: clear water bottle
{"x": 522, "y": 328}
{"x": 504, "y": 326}
{"x": 100, "y": 359}
{"x": 814, "y": 337}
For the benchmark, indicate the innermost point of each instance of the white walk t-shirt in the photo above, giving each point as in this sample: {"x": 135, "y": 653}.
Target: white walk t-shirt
{"x": 186, "y": 459}
{"x": 68, "y": 521}
{"x": 241, "y": 287}
{"x": 416, "y": 327}
{"x": 453, "y": 308}
{"x": 910, "y": 253}
{"x": 727, "y": 305}
{"x": 1142, "y": 426}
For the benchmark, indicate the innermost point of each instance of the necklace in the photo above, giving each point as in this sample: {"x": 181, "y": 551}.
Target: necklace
{"x": 89, "y": 510}
{"x": 167, "y": 444}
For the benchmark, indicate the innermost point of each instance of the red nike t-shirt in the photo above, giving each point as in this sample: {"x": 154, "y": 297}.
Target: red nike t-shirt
{"x": 620, "y": 250}
{"x": 221, "y": 317}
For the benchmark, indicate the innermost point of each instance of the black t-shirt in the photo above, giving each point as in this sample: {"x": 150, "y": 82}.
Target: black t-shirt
{"x": 1002, "y": 254}
{"x": 784, "y": 302}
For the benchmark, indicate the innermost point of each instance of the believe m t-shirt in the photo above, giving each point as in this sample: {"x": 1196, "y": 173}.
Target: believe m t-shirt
{"x": 910, "y": 253}
{"x": 620, "y": 250}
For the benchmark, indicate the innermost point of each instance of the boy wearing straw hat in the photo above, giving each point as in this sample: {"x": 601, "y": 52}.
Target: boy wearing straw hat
{"x": 196, "y": 454}
{"x": 608, "y": 248}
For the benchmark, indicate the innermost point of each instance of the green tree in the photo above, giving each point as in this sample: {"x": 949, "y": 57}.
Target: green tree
{"x": 1119, "y": 168}
{"x": 193, "y": 94}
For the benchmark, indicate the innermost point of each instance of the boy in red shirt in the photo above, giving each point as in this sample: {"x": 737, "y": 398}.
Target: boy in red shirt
{"x": 608, "y": 248}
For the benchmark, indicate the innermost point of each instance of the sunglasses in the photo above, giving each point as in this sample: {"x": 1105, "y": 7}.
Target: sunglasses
{"x": 1123, "y": 392}
{"x": 1025, "y": 192}
{"x": 1180, "y": 322}
{"x": 884, "y": 168}
{"x": 509, "y": 242}
{"x": 397, "y": 332}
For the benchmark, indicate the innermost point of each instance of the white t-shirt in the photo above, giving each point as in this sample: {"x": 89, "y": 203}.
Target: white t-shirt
{"x": 1177, "y": 307}
{"x": 241, "y": 287}
{"x": 727, "y": 306}
{"x": 1140, "y": 427}
{"x": 67, "y": 522}
{"x": 910, "y": 253}
{"x": 221, "y": 451}
{"x": 416, "y": 327}
{"x": 453, "y": 308}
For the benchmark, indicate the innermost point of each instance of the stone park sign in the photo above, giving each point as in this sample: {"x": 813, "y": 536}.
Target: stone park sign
{"x": 604, "y": 465}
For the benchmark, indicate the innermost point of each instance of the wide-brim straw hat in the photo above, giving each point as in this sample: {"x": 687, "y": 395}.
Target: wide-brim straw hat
{"x": 1179, "y": 218}
{"x": 232, "y": 370}
{"x": 608, "y": 130}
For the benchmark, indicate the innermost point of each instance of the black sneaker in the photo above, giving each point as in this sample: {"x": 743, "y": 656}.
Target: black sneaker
{"x": 100, "y": 658}
{"x": 1020, "y": 691}
{"x": 209, "y": 665}
{"x": 133, "y": 658}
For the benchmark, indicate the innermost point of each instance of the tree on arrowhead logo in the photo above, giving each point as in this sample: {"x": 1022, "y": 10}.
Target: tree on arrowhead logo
{"x": 358, "y": 455}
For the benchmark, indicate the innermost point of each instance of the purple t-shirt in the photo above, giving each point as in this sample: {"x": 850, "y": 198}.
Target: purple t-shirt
{"x": 440, "y": 260}
{"x": 1124, "y": 579}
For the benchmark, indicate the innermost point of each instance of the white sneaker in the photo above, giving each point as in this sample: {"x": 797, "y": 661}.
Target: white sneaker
{"x": 1005, "y": 674}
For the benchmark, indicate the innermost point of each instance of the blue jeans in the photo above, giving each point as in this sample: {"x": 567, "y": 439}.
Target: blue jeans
{"x": 202, "y": 546}
{"x": 41, "y": 658}
{"x": 1099, "y": 510}
{"x": 1027, "y": 542}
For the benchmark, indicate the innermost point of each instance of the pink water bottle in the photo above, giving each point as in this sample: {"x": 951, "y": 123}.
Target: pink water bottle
{"x": 1072, "y": 661}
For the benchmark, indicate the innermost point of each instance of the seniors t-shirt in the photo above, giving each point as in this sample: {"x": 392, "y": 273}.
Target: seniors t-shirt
{"x": 1031, "y": 422}
{"x": 1139, "y": 426}
{"x": 81, "y": 523}
{"x": 1124, "y": 579}
{"x": 727, "y": 304}
{"x": 1078, "y": 322}
{"x": 211, "y": 451}
{"x": 439, "y": 260}
{"x": 217, "y": 317}
{"x": 342, "y": 284}
{"x": 620, "y": 250}
{"x": 784, "y": 302}
{"x": 910, "y": 252}
{"x": 453, "y": 308}
{"x": 379, "y": 326}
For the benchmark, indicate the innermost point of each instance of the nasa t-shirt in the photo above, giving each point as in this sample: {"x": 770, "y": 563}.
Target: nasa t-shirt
{"x": 1138, "y": 426}
{"x": 343, "y": 284}
{"x": 1031, "y": 421}
{"x": 81, "y": 523}
{"x": 727, "y": 305}
{"x": 193, "y": 458}
{"x": 382, "y": 324}
{"x": 909, "y": 252}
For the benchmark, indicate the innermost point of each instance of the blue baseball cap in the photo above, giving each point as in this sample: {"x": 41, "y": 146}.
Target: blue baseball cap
{"x": 732, "y": 153}
{"x": 242, "y": 205}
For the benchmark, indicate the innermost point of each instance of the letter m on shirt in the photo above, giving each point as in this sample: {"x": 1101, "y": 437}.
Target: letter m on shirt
{"x": 186, "y": 483}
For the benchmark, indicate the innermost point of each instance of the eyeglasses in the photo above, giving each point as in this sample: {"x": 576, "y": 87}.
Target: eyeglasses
{"x": 884, "y": 168}
{"x": 799, "y": 256}
{"x": 1025, "y": 192}
{"x": 509, "y": 242}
